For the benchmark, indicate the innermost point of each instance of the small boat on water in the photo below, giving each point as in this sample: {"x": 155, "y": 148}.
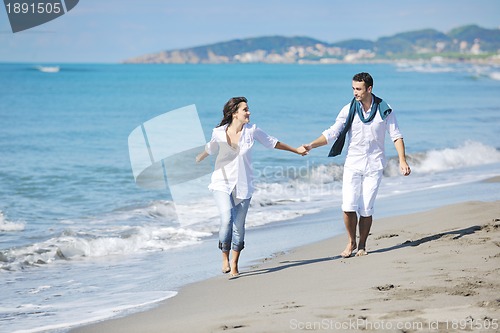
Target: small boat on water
{"x": 48, "y": 69}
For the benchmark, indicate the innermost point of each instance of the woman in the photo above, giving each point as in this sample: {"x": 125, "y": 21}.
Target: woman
{"x": 232, "y": 179}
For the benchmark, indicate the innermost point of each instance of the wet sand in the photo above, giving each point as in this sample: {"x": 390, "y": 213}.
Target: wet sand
{"x": 432, "y": 271}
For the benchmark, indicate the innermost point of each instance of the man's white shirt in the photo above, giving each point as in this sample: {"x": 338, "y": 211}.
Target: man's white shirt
{"x": 366, "y": 142}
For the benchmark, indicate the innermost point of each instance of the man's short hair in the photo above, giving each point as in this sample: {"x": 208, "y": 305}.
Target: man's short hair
{"x": 364, "y": 77}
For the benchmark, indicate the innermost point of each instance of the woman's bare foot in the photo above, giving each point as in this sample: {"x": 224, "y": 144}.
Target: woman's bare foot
{"x": 234, "y": 269}
{"x": 361, "y": 252}
{"x": 226, "y": 268}
{"x": 235, "y": 256}
{"x": 348, "y": 250}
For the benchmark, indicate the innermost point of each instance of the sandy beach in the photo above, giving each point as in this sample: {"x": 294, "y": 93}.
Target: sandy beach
{"x": 434, "y": 271}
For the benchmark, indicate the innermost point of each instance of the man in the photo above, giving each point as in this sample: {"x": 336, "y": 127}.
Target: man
{"x": 365, "y": 120}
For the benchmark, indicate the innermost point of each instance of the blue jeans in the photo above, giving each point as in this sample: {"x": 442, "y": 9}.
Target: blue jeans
{"x": 233, "y": 212}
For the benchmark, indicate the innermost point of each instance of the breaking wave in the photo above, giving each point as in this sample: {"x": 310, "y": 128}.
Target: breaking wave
{"x": 471, "y": 153}
{"x": 6, "y": 225}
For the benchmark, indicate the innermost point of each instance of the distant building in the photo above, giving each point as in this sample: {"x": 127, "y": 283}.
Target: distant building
{"x": 476, "y": 47}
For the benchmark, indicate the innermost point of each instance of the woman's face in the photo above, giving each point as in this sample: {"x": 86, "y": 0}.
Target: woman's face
{"x": 242, "y": 114}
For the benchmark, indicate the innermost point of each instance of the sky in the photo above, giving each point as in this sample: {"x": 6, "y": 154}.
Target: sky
{"x": 110, "y": 31}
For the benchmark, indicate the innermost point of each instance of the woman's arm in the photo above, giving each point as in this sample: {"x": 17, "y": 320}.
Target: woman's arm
{"x": 299, "y": 150}
{"x": 201, "y": 156}
{"x": 210, "y": 148}
{"x": 270, "y": 142}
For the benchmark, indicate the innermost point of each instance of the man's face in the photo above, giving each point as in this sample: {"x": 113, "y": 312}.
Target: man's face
{"x": 360, "y": 92}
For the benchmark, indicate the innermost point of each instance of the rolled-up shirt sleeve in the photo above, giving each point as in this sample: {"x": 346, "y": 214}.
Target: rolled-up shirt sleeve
{"x": 212, "y": 146}
{"x": 393, "y": 128}
{"x": 332, "y": 133}
{"x": 264, "y": 139}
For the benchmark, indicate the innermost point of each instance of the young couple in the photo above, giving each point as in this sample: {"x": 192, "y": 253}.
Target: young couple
{"x": 365, "y": 120}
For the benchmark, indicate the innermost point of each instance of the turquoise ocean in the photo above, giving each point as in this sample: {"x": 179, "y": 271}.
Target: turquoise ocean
{"x": 81, "y": 242}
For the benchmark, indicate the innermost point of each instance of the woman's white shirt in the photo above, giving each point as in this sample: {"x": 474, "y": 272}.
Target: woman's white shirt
{"x": 233, "y": 166}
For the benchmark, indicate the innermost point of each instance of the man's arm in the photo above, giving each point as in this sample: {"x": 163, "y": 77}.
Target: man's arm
{"x": 400, "y": 148}
{"x": 332, "y": 133}
{"x": 320, "y": 141}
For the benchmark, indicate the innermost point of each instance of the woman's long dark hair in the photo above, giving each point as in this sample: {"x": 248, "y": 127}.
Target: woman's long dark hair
{"x": 229, "y": 108}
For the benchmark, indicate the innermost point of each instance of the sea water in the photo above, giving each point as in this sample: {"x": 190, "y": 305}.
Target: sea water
{"x": 80, "y": 241}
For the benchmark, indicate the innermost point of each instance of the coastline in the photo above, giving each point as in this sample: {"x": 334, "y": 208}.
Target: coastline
{"x": 437, "y": 273}
{"x": 435, "y": 60}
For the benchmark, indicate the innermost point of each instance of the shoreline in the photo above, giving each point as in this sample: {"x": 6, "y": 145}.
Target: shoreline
{"x": 427, "y": 275}
{"x": 492, "y": 61}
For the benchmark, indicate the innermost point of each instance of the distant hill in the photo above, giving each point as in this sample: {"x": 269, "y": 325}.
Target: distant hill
{"x": 274, "y": 44}
{"x": 489, "y": 39}
{"x": 411, "y": 42}
{"x": 464, "y": 42}
{"x": 356, "y": 44}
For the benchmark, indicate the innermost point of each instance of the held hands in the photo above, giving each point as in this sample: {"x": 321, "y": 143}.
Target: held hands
{"x": 302, "y": 150}
{"x": 307, "y": 146}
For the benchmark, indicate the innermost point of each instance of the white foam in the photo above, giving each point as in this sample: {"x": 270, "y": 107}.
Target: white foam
{"x": 424, "y": 67}
{"x": 476, "y": 71}
{"x": 495, "y": 76}
{"x": 122, "y": 241}
{"x": 39, "y": 289}
{"x": 469, "y": 154}
{"x": 89, "y": 314}
{"x": 6, "y": 225}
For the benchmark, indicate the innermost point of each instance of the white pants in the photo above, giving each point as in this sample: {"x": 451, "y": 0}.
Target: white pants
{"x": 359, "y": 190}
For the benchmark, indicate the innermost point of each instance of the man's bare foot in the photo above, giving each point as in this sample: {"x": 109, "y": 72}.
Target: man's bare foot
{"x": 348, "y": 250}
{"x": 361, "y": 252}
{"x": 225, "y": 267}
